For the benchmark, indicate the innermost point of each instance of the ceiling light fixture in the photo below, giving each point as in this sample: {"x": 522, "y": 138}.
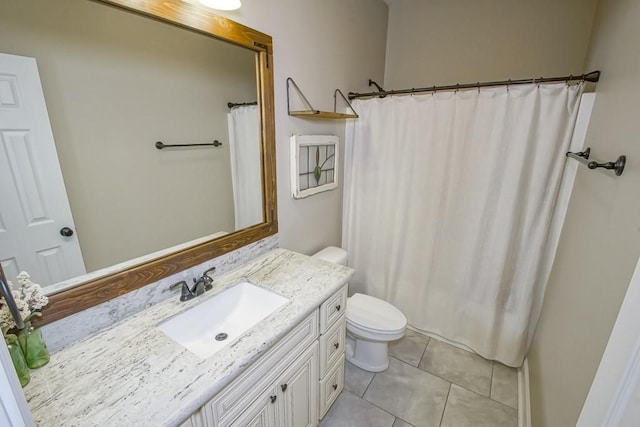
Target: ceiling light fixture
{"x": 222, "y": 4}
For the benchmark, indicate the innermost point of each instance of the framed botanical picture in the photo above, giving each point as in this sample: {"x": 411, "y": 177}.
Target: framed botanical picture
{"x": 314, "y": 164}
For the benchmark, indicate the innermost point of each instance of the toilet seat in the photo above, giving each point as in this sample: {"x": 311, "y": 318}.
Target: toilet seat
{"x": 375, "y": 316}
{"x": 371, "y": 325}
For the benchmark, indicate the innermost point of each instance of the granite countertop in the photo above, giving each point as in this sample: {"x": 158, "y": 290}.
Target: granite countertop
{"x": 133, "y": 374}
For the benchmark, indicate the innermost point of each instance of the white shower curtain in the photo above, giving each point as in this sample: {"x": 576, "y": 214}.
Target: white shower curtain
{"x": 244, "y": 142}
{"x": 448, "y": 204}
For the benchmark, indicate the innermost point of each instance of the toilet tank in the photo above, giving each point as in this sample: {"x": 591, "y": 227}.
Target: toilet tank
{"x": 332, "y": 254}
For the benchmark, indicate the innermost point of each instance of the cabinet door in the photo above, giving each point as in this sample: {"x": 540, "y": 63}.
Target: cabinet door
{"x": 298, "y": 387}
{"x": 261, "y": 376}
{"x": 196, "y": 420}
{"x": 261, "y": 413}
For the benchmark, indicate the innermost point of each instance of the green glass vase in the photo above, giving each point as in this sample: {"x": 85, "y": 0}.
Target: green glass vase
{"x": 33, "y": 346}
{"x": 17, "y": 358}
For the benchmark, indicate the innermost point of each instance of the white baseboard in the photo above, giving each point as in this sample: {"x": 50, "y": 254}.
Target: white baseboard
{"x": 524, "y": 398}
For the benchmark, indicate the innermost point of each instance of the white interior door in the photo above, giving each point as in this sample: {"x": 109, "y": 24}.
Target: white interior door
{"x": 614, "y": 397}
{"x": 34, "y": 208}
{"x": 14, "y": 411}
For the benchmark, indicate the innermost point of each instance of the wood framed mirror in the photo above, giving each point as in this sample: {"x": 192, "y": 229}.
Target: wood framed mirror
{"x": 96, "y": 287}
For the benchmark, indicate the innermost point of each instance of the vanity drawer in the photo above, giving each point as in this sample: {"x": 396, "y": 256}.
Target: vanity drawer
{"x": 331, "y": 386}
{"x": 334, "y": 307}
{"x": 332, "y": 345}
{"x": 250, "y": 384}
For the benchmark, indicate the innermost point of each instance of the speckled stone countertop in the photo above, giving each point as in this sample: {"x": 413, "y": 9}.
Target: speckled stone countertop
{"x": 132, "y": 374}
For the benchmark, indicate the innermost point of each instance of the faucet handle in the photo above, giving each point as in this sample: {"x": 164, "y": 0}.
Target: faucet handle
{"x": 186, "y": 292}
{"x": 206, "y": 274}
{"x": 208, "y": 280}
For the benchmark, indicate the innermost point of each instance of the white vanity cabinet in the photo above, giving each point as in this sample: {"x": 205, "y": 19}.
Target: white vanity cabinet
{"x": 294, "y": 383}
{"x": 290, "y": 401}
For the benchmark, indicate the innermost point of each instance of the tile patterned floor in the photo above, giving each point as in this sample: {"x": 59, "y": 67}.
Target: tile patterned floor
{"x": 429, "y": 383}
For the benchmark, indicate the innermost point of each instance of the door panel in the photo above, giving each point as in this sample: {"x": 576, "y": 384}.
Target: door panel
{"x": 298, "y": 387}
{"x": 261, "y": 413}
{"x": 33, "y": 199}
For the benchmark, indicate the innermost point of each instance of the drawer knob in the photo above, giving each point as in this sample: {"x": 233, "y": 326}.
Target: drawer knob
{"x": 338, "y": 307}
{"x": 283, "y": 387}
{"x": 273, "y": 399}
{"x": 335, "y": 386}
{"x": 336, "y": 345}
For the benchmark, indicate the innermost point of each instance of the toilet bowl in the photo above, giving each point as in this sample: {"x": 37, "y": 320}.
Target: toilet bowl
{"x": 371, "y": 323}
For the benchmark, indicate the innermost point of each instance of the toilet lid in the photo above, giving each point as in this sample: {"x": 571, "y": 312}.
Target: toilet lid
{"x": 373, "y": 313}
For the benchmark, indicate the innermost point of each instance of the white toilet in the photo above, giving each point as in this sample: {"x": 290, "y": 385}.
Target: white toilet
{"x": 371, "y": 323}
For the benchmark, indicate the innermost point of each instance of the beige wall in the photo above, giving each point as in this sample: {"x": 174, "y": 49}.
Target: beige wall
{"x": 111, "y": 95}
{"x": 432, "y": 42}
{"x": 600, "y": 242}
{"x": 323, "y": 45}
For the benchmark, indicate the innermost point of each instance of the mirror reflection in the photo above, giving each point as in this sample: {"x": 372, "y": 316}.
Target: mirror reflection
{"x": 83, "y": 186}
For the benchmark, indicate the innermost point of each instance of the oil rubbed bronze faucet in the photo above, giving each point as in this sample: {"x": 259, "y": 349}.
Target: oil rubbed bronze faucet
{"x": 200, "y": 285}
{"x": 5, "y": 290}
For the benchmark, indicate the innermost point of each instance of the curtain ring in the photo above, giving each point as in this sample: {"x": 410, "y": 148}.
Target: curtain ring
{"x": 478, "y": 86}
{"x": 570, "y": 78}
{"x": 433, "y": 91}
{"x": 539, "y": 80}
{"x": 457, "y": 86}
{"x": 509, "y": 85}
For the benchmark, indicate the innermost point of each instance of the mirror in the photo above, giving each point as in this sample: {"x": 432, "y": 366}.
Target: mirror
{"x": 139, "y": 213}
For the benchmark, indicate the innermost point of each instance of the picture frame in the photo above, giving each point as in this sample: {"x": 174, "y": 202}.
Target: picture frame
{"x": 314, "y": 164}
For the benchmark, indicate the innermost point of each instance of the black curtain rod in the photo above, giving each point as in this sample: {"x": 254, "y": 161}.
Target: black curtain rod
{"x": 593, "y": 76}
{"x": 240, "y": 104}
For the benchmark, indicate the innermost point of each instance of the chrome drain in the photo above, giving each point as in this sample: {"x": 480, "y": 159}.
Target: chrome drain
{"x": 221, "y": 336}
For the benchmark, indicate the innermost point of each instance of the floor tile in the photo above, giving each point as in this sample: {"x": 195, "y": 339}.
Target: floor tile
{"x": 409, "y": 393}
{"x": 468, "y": 409}
{"x": 410, "y": 348}
{"x": 400, "y": 423}
{"x": 351, "y": 411}
{"x": 504, "y": 385}
{"x": 458, "y": 366}
{"x": 356, "y": 380}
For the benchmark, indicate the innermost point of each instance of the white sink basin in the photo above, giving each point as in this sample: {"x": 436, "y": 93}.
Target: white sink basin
{"x": 234, "y": 311}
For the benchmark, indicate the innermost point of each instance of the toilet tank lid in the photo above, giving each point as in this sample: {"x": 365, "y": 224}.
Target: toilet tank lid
{"x": 332, "y": 254}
